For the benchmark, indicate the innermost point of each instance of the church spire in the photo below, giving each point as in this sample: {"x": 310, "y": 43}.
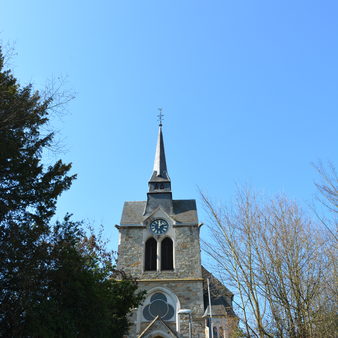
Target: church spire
{"x": 160, "y": 165}
{"x": 159, "y": 193}
{"x": 160, "y": 174}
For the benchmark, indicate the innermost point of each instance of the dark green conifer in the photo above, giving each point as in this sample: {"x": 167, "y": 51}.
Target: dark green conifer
{"x": 54, "y": 280}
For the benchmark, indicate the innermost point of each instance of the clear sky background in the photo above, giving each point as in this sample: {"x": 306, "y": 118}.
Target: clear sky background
{"x": 248, "y": 88}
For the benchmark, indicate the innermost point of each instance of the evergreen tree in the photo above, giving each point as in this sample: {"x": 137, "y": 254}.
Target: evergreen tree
{"x": 54, "y": 281}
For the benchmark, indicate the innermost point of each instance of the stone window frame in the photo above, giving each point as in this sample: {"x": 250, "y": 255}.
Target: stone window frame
{"x": 159, "y": 241}
{"x": 171, "y": 253}
{"x": 172, "y": 300}
{"x": 148, "y": 255}
{"x": 219, "y": 330}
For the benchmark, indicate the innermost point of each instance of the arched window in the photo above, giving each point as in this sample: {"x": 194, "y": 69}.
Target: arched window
{"x": 167, "y": 261}
{"x": 150, "y": 255}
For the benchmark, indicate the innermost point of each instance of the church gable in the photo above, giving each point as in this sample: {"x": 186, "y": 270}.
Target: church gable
{"x": 158, "y": 329}
{"x": 158, "y": 213}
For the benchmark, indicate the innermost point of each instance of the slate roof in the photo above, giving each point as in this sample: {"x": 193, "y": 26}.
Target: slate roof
{"x": 160, "y": 165}
{"x": 217, "y": 311}
{"x": 184, "y": 211}
{"x": 219, "y": 294}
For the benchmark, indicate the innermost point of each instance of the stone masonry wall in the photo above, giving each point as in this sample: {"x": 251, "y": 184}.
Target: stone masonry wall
{"x": 186, "y": 253}
{"x": 130, "y": 251}
{"x": 190, "y": 295}
{"x": 187, "y": 248}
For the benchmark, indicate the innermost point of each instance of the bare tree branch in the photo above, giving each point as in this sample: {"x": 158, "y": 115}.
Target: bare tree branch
{"x": 278, "y": 263}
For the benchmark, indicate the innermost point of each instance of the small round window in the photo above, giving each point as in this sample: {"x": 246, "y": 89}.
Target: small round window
{"x": 158, "y": 306}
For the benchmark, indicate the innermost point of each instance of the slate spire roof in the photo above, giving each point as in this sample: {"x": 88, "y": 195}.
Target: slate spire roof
{"x": 160, "y": 172}
{"x": 159, "y": 196}
{"x": 159, "y": 193}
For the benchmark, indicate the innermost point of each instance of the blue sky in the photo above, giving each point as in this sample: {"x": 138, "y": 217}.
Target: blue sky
{"x": 248, "y": 88}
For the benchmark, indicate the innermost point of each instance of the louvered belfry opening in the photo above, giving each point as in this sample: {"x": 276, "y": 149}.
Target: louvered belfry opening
{"x": 167, "y": 261}
{"x": 150, "y": 255}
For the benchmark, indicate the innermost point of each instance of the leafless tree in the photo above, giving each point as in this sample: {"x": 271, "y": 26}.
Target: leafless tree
{"x": 327, "y": 196}
{"x": 272, "y": 255}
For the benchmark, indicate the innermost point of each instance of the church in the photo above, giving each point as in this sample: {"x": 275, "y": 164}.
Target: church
{"x": 159, "y": 245}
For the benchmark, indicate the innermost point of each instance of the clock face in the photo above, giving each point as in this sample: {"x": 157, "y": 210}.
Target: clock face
{"x": 159, "y": 226}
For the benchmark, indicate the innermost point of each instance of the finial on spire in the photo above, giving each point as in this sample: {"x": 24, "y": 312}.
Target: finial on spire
{"x": 160, "y": 165}
{"x": 160, "y": 117}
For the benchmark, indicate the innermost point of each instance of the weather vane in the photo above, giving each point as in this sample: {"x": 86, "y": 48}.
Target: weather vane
{"x": 160, "y": 117}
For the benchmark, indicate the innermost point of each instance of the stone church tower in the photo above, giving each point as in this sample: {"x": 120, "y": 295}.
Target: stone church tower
{"x": 159, "y": 244}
